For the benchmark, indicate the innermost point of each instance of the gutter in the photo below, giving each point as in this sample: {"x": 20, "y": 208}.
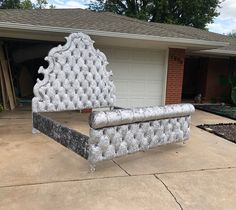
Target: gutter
{"x": 218, "y": 51}
{"x": 9, "y": 25}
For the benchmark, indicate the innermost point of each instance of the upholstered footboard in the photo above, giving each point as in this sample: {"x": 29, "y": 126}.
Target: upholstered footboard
{"x": 124, "y": 131}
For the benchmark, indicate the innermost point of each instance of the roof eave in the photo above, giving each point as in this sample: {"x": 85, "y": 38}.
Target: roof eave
{"x": 218, "y": 52}
{"x": 169, "y": 40}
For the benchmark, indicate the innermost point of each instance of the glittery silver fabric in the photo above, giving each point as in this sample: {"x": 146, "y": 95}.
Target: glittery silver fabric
{"x": 75, "y": 79}
{"x": 149, "y": 127}
{"x": 126, "y": 116}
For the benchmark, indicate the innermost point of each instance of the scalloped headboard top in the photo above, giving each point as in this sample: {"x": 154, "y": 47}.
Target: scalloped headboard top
{"x": 75, "y": 79}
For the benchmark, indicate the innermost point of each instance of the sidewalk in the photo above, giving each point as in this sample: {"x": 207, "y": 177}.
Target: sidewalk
{"x": 38, "y": 173}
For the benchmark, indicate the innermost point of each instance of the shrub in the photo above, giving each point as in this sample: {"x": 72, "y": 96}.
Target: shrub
{"x": 233, "y": 95}
{"x": 1, "y": 108}
{"x": 231, "y": 81}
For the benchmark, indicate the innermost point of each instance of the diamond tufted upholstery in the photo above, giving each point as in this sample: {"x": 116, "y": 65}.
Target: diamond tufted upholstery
{"x": 75, "y": 79}
{"x": 103, "y": 119}
{"x": 120, "y": 132}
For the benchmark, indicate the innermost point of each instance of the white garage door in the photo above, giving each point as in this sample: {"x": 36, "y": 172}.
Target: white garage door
{"x": 138, "y": 76}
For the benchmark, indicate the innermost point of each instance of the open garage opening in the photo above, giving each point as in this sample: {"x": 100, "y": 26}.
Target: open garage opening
{"x": 22, "y": 59}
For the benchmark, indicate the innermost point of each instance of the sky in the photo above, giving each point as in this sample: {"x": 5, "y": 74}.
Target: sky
{"x": 225, "y": 23}
{"x": 69, "y": 4}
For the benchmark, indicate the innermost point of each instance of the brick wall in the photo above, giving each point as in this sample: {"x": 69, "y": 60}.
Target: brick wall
{"x": 175, "y": 74}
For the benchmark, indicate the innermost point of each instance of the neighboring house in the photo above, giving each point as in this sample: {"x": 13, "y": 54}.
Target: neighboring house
{"x": 152, "y": 63}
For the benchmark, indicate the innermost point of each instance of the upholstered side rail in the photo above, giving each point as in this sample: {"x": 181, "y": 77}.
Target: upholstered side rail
{"x": 69, "y": 138}
{"x": 102, "y": 119}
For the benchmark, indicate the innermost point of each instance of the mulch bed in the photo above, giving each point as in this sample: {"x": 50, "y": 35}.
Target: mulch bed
{"x": 226, "y": 131}
{"x": 223, "y": 110}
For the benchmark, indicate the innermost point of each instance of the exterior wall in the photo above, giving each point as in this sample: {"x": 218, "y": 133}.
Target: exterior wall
{"x": 215, "y": 92}
{"x": 175, "y": 74}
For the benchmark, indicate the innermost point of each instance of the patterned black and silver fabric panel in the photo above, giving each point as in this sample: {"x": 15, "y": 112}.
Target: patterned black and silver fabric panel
{"x": 69, "y": 138}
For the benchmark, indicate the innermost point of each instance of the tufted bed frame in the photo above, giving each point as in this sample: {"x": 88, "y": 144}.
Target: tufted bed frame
{"x": 77, "y": 79}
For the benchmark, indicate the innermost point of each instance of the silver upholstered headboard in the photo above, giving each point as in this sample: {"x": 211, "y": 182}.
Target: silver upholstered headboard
{"x": 75, "y": 79}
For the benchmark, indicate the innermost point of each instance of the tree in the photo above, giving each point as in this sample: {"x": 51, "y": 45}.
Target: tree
{"x": 10, "y": 4}
{"x": 196, "y": 13}
{"x": 232, "y": 34}
{"x": 41, "y": 4}
{"x": 25, "y": 4}
{"x": 52, "y": 6}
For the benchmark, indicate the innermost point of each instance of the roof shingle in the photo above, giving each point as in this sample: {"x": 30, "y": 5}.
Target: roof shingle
{"x": 105, "y": 21}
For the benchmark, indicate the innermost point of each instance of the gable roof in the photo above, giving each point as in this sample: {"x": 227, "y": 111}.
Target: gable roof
{"x": 109, "y": 22}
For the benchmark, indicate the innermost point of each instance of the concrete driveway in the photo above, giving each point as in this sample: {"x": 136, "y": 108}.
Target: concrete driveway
{"x": 38, "y": 173}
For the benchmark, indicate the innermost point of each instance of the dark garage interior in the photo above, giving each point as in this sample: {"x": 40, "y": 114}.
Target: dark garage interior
{"x": 22, "y": 60}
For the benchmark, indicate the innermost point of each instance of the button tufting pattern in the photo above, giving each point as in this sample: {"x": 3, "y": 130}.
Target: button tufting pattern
{"x": 123, "y": 131}
{"x": 75, "y": 79}
{"x": 125, "y": 116}
{"x": 110, "y": 142}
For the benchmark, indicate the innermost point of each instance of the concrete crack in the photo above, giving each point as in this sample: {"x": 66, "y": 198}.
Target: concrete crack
{"x": 121, "y": 168}
{"x": 169, "y": 191}
{"x": 59, "y": 181}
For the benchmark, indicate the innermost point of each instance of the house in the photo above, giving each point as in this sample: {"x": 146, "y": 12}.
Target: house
{"x": 152, "y": 63}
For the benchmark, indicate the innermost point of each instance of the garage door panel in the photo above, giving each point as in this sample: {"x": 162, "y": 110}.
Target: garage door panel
{"x": 140, "y": 89}
{"x": 147, "y": 71}
{"x": 127, "y": 90}
{"x": 154, "y": 88}
{"x": 150, "y": 57}
{"x": 134, "y": 71}
{"x": 138, "y": 76}
{"x": 119, "y": 69}
{"x": 117, "y": 54}
{"x": 138, "y": 102}
{"x": 139, "y": 55}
